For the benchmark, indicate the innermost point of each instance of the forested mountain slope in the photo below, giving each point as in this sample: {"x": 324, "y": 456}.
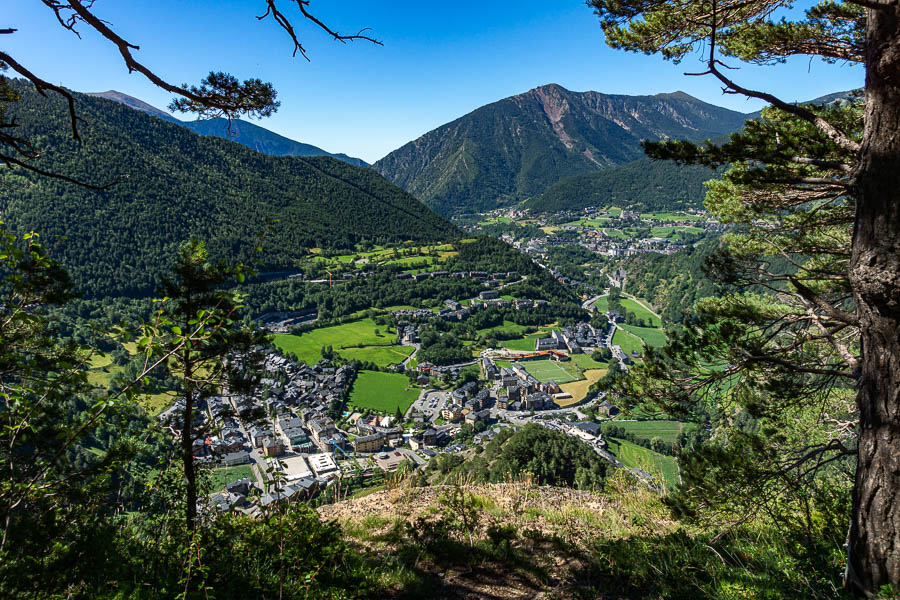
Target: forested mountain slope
{"x": 674, "y": 282}
{"x": 248, "y": 134}
{"x": 175, "y": 184}
{"x": 520, "y": 146}
{"x": 644, "y": 184}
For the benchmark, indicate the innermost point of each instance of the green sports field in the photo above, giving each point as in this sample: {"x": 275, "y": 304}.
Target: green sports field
{"x": 384, "y": 392}
{"x": 545, "y": 370}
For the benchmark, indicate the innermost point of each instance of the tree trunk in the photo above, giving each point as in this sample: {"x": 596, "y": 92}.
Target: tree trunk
{"x": 874, "y": 541}
{"x": 187, "y": 450}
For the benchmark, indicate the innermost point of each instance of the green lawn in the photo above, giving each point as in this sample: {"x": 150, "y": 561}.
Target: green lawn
{"x": 545, "y": 370}
{"x": 496, "y": 220}
{"x": 667, "y": 431}
{"x": 307, "y": 346}
{"x": 640, "y": 312}
{"x": 380, "y": 355}
{"x": 654, "y": 463}
{"x": 628, "y": 342}
{"x": 651, "y": 336}
{"x": 507, "y": 327}
{"x": 384, "y": 392}
{"x": 590, "y": 223}
{"x": 526, "y": 343}
{"x": 602, "y": 304}
{"x": 616, "y": 233}
{"x": 585, "y": 362}
{"x": 219, "y": 477}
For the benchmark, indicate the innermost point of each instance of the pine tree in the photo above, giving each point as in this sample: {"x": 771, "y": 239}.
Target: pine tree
{"x": 851, "y": 169}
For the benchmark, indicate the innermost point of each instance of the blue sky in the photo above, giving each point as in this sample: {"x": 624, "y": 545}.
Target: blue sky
{"x": 439, "y": 61}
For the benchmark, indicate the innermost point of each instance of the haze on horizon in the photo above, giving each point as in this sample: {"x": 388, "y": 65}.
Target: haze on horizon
{"x": 364, "y": 100}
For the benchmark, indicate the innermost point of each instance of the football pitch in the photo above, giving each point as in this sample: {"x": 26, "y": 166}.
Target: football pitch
{"x": 545, "y": 370}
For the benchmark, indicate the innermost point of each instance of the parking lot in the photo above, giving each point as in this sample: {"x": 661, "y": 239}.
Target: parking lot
{"x": 430, "y": 404}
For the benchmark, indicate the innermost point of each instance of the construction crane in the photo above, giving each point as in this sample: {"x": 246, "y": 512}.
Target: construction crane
{"x": 330, "y": 282}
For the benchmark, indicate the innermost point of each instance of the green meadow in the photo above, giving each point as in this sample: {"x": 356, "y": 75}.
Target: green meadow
{"x": 379, "y": 348}
{"x": 384, "y": 392}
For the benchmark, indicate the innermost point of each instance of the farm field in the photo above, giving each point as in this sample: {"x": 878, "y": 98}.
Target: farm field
{"x": 384, "y": 392}
{"x": 640, "y": 312}
{"x": 654, "y": 463}
{"x": 667, "y": 431}
{"x": 651, "y": 336}
{"x": 628, "y": 342}
{"x": 579, "y": 389}
{"x": 381, "y": 255}
{"x": 545, "y": 370}
{"x": 616, "y": 233}
{"x": 219, "y": 477}
{"x": 602, "y": 304}
{"x": 308, "y": 345}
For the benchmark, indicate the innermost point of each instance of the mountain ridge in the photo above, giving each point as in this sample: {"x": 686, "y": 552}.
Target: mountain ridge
{"x": 174, "y": 184}
{"x": 519, "y": 146}
{"x": 242, "y": 132}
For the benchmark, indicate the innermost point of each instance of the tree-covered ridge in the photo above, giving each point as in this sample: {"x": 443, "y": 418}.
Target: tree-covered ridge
{"x": 644, "y": 184}
{"x": 174, "y": 184}
{"x": 673, "y": 282}
{"x": 518, "y": 147}
{"x": 262, "y": 140}
{"x": 548, "y": 457}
